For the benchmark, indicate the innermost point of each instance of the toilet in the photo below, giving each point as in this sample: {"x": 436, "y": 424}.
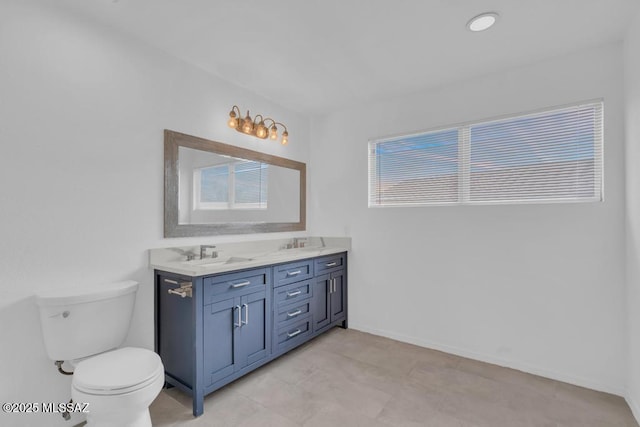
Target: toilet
{"x": 84, "y": 326}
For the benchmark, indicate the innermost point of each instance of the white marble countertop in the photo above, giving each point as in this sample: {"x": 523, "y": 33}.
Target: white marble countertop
{"x": 242, "y": 255}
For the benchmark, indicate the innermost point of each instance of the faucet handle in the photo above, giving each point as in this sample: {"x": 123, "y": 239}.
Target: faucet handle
{"x": 203, "y": 251}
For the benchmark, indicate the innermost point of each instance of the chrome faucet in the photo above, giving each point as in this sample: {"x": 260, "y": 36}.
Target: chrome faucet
{"x": 190, "y": 255}
{"x": 203, "y": 251}
{"x": 299, "y": 242}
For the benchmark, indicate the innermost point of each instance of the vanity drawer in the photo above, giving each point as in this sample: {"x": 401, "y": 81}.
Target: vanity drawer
{"x": 290, "y": 313}
{"x": 292, "y": 335}
{"x": 330, "y": 262}
{"x": 235, "y": 284}
{"x": 293, "y": 272}
{"x": 294, "y": 292}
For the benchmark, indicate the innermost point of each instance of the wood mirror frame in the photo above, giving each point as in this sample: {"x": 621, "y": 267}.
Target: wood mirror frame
{"x": 173, "y": 228}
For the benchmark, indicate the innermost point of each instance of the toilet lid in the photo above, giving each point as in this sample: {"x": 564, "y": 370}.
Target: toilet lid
{"x": 117, "y": 371}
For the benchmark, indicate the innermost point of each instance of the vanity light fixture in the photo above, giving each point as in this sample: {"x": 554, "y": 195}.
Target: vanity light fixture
{"x": 482, "y": 22}
{"x": 259, "y": 127}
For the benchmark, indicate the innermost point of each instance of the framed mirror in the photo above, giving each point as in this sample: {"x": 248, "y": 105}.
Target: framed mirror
{"x": 211, "y": 188}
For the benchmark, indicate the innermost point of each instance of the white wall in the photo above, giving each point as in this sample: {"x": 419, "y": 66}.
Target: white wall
{"x": 536, "y": 287}
{"x": 82, "y": 113}
{"x": 632, "y": 157}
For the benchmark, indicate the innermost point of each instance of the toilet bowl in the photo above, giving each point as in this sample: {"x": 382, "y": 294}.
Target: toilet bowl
{"x": 85, "y": 325}
{"x": 118, "y": 386}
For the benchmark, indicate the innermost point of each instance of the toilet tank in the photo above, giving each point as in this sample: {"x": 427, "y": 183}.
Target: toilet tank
{"x": 84, "y": 320}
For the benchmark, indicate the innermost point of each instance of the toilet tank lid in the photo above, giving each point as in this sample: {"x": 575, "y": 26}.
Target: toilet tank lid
{"x": 81, "y": 294}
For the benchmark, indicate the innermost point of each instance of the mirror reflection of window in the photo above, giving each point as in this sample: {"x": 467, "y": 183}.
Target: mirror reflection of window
{"x": 236, "y": 185}
{"x": 250, "y": 185}
{"x": 213, "y": 189}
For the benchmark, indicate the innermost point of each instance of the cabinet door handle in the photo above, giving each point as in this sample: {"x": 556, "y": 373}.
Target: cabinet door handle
{"x": 241, "y": 284}
{"x": 294, "y": 314}
{"x": 293, "y": 294}
{"x": 331, "y": 264}
{"x": 246, "y": 314}
{"x": 239, "y": 324}
{"x": 294, "y": 273}
{"x": 294, "y": 333}
{"x": 173, "y": 282}
{"x": 335, "y": 286}
{"x": 330, "y": 286}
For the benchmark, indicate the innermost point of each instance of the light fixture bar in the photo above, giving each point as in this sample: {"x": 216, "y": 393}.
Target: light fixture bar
{"x": 260, "y": 127}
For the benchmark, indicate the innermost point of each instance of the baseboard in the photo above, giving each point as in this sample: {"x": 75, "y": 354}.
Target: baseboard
{"x": 635, "y": 408}
{"x": 524, "y": 367}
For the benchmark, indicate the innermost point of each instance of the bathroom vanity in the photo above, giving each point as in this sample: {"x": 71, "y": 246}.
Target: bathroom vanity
{"x": 219, "y": 318}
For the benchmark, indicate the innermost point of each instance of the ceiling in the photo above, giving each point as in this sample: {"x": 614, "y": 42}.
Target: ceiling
{"x": 313, "y": 56}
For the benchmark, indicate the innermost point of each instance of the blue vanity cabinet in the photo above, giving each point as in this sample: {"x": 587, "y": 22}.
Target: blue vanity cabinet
{"x": 213, "y": 329}
{"x": 329, "y": 303}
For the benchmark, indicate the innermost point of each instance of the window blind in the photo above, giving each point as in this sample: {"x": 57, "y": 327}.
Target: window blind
{"x": 555, "y": 155}
{"x": 251, "y": 184}
{"x": 550, "y": 156}
{"x": 214, "y": 185}
{"x": 415, "y": 170}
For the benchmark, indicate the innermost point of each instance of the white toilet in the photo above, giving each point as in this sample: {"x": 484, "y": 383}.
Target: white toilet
{"x": 84, "y": 326}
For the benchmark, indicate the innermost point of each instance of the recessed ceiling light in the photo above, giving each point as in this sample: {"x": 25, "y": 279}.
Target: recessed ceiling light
{"x": 483, "y": 21}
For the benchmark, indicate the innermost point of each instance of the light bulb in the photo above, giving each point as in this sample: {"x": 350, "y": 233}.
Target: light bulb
{"x": 273, "y": 132}
{"x": 247, "y": 124}
{"x": 261, "y": 131}
{"x": 285, "y": 137}
{"x": 233, "y": 121}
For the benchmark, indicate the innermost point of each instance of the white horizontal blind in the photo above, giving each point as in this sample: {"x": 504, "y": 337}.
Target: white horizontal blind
{"x": 554, "y": 155}
{"x": 415, "y": 170}
{"x": 550, "y": 156}
{"x": 250, "y": 185}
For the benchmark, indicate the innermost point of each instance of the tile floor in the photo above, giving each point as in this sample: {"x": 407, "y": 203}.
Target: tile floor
{"x": 352, "y": 379}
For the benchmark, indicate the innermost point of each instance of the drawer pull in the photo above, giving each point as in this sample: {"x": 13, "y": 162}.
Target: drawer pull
{"x": 173, "y": 282}
{"x": 331, "y": 264}
{"x": 293, "y": 294}
{"x": 241, "y": 284}
{"x": 294, "y": 314}
{"x": 294, "y": 333}
{"x": 294, "y": 273}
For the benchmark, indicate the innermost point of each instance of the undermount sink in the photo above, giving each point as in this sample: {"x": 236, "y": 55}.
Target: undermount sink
{"x": 214, "y": 261}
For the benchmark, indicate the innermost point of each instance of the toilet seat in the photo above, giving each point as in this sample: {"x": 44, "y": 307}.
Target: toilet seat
{"x": 117, "y": 372}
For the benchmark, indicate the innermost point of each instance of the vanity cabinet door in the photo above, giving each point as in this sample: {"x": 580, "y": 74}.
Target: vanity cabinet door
{"x": 337, "y": 296}
{"x": 221, "y": 320}
{"x": 329, "y": 299}
{"x": 321, "y": 302}
{"x": 253, "y": 337}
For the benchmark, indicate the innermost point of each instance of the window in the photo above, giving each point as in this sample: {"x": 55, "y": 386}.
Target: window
{"x": 238, "y": 185}
{"x": 552, "y": 156}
